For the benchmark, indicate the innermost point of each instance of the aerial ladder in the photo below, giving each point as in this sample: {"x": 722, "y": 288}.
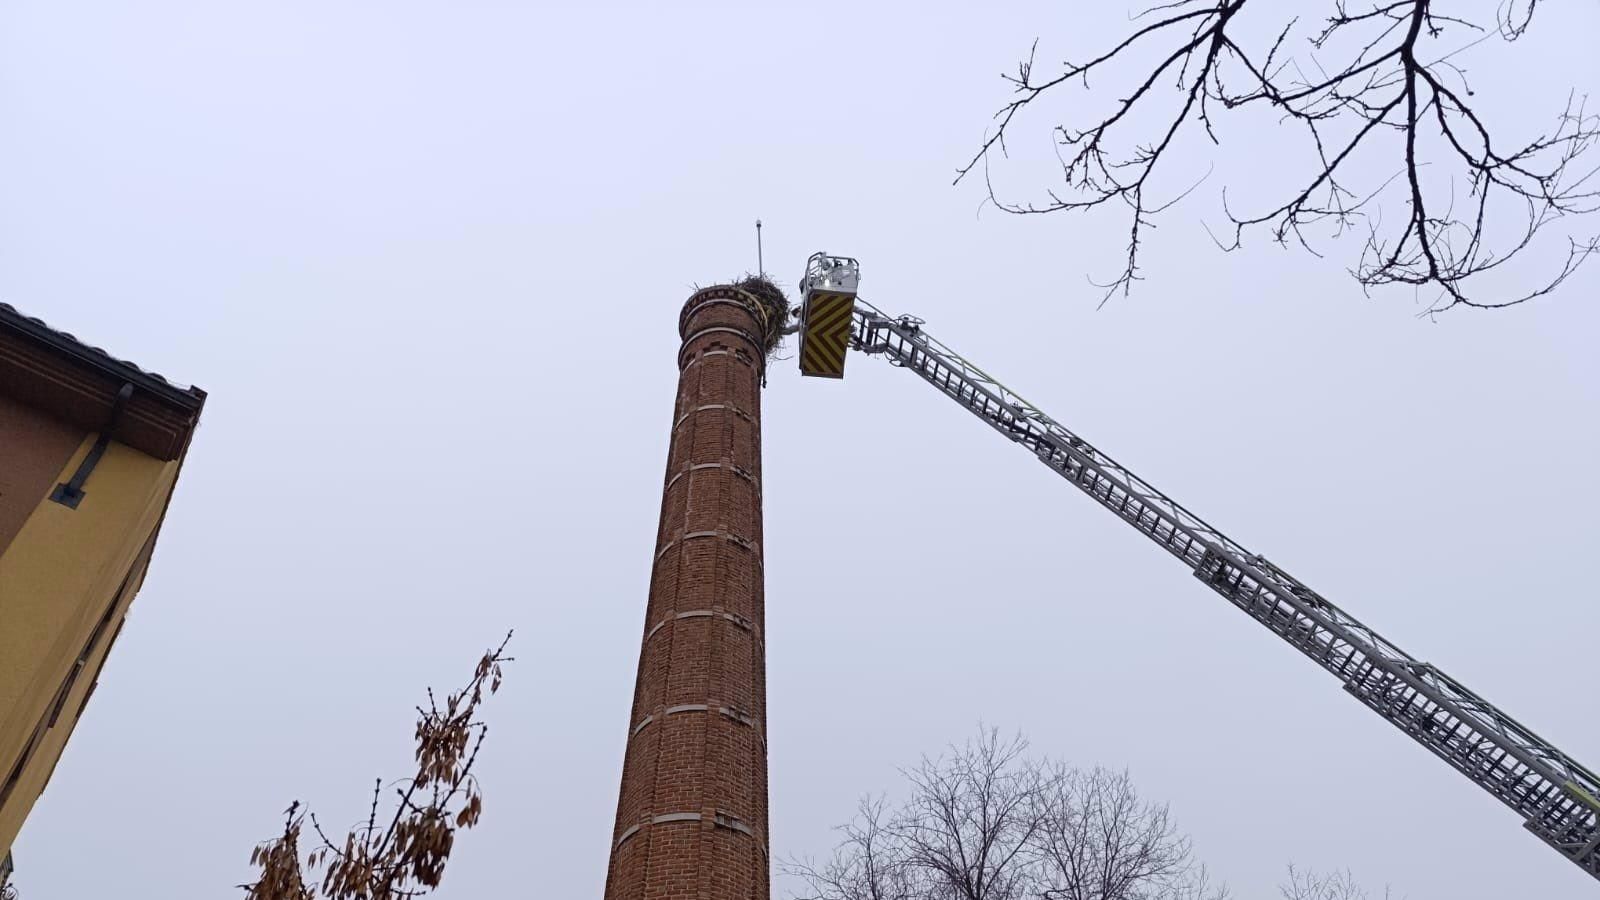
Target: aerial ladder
{"x": 1558, "y": 799}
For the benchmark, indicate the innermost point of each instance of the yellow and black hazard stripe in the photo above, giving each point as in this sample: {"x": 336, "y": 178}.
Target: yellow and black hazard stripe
{"x": 825, "y": 334}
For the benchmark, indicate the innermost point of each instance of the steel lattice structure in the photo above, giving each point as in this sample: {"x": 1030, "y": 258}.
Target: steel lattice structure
{"x": 1556, "y": 797}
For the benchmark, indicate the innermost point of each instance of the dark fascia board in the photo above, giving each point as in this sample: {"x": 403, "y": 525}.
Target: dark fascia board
{"x": 185, "y": 399}
{"x": 56, "y": 372}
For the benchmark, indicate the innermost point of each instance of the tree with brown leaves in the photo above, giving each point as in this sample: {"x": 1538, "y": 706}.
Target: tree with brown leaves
{"x": 1378, "y": 92}
{"x": 402, "y": 854}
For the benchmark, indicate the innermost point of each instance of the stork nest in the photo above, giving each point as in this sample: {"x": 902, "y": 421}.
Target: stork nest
{"x": 772, "y": 307}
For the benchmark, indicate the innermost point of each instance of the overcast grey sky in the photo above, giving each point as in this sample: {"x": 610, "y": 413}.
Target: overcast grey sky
{"x": 427, "y": 259}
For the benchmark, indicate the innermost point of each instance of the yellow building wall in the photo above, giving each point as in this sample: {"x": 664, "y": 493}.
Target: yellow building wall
{"x": 65, "y": 710}
{"x": 60, "y": 577}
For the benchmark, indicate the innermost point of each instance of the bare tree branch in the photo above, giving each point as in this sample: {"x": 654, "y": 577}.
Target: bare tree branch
{"x": 972, "y": 815}
{"x": 1394, "y": 91}
{"x": 1100, "y": 841}
{"x": 1309, "y": 885}
{"x": 868, "y": 864}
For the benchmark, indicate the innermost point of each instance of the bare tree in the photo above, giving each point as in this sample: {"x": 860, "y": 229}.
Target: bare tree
{"x": 404, "y": 854}
{"x": 985, "y": 822}
{"x": 1308, "y": 885}
{"x": 973, "y": 816}
{"x": 869, "y": 865}
{"x": 1100, "y": 841}
{"x": 1378, "y": 84}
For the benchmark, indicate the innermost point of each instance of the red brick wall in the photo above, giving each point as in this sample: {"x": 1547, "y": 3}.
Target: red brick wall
{"x": 692, "y": 816}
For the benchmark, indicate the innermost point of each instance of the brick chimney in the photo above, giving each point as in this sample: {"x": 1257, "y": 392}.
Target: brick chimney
{"x": 692, "y": 816}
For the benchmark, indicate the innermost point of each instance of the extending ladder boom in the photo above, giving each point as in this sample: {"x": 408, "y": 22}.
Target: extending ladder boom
{"x": 1556, "y": 797}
